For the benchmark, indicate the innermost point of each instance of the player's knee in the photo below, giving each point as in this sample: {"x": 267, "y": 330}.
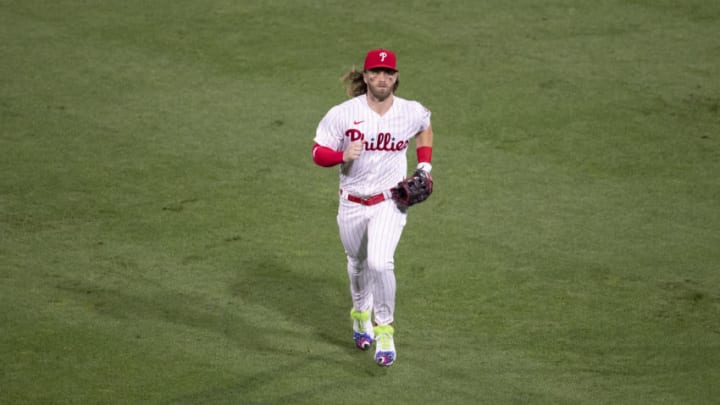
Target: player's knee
{"x": 380, "y": 264}
{"x": 355, "y": 264}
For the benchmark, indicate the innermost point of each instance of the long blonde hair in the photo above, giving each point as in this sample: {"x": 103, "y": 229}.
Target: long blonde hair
{"x": 356, "y": 85}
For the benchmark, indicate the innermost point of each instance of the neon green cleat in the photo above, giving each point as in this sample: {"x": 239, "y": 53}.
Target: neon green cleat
{"x": 363, "y": 333}
{"x": 385, "y": 354}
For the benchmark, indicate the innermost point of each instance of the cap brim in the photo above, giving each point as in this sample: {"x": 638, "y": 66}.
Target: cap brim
{"x": 381, "y": 66}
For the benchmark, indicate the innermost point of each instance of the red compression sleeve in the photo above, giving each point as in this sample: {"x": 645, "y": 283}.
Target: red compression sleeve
{"x": 424, "y": 154}
{"x": 326, "y": 157}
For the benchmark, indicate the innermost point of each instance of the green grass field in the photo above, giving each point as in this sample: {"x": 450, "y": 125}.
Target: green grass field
{"x": 165, "y": 237}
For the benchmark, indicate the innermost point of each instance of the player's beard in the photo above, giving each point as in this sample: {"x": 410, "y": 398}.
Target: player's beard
{"x": 380, "y": 93}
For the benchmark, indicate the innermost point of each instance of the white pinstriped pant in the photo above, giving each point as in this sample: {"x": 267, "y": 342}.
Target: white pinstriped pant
{"x": 370, "y": 235}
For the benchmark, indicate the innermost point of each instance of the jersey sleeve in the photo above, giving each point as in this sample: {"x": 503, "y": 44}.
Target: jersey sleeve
{"x": 328, "y": 133}
{"x": 423, "y": 116}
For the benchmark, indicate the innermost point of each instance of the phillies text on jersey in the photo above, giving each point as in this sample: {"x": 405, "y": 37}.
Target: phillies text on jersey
{"x": 383, "y": 162}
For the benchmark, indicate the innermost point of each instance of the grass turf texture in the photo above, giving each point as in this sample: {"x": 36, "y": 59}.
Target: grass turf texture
{"x": 165, "y": 237}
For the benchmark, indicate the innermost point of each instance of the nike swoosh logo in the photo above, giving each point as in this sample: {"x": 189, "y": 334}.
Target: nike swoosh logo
{"x": 358, "y": 122}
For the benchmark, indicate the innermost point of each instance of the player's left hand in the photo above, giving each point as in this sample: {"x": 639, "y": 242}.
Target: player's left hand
{"x": 414, "y": 189}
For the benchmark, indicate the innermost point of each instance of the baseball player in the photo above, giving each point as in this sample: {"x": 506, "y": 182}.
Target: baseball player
{"x": 368, "y": 137}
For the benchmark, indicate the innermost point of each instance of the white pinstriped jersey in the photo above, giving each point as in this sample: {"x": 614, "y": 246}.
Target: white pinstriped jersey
{"x": 383, "y": 161}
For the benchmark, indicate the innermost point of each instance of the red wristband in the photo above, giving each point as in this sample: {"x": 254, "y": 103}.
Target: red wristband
{"x": 424, "y": 154}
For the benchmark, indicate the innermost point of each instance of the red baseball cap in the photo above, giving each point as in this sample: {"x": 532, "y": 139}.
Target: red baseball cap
{"x": 380, "y": 58}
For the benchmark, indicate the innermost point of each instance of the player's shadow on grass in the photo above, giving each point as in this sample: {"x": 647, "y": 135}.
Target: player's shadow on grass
{"x": 312, "y": 303}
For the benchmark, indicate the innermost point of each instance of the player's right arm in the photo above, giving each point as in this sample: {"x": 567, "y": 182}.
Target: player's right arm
{"x": 327, "y": 151}
{"x": 326, "y": 157}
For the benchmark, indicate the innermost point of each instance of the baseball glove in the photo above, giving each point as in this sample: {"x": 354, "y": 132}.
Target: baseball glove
{"x": 414, "y": 189}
